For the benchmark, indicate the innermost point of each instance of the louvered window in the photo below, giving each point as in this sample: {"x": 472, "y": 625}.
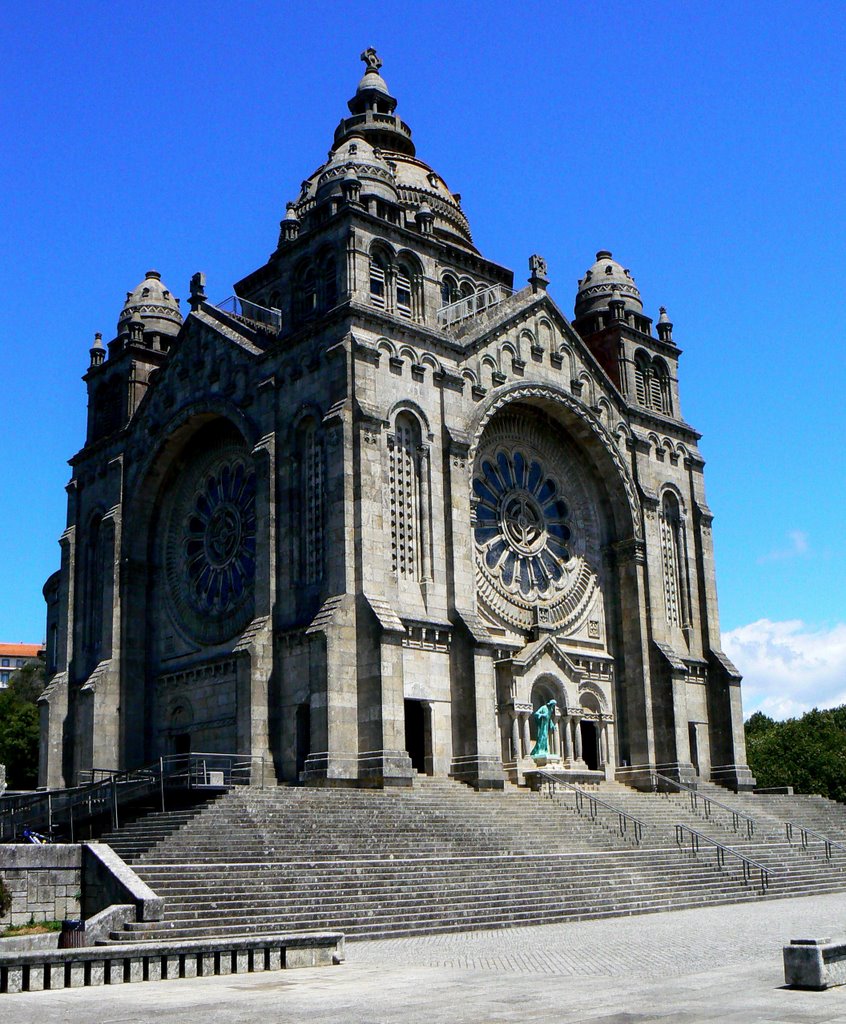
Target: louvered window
{"x": 403, "y": 293}
{"x": 377, "y": 284}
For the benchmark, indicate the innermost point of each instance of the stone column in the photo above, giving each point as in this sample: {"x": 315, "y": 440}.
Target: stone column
{"x": 577, "y": 732}
{"x": 568, "y": 737}
{"x": 515, "y": 735}
{"x": 527, "y": 736}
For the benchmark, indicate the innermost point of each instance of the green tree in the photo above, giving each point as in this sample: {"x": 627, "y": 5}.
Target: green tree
{"x": 19, "y": 725}
{"x": 808, "y": 753}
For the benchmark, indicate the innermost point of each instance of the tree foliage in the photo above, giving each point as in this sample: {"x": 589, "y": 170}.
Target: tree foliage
{"x": 808, "y": 753}
{"x": 19, "y": 725}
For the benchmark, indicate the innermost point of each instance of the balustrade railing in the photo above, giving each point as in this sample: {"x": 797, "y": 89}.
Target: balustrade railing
{"x": 594, "y": 802}
{"x": 471, "y": 305}
{"x": 252, "y": 311}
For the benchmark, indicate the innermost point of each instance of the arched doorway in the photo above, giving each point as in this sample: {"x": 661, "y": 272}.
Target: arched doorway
{"x": 418, "y": 735}
{"x": 590, "y": 744}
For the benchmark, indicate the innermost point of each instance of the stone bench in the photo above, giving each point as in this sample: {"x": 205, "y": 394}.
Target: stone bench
{"x": 815, "y": 963}
{"x": 116, "y": 964}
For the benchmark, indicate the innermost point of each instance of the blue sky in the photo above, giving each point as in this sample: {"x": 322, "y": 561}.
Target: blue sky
{"x": 702, "y": 143}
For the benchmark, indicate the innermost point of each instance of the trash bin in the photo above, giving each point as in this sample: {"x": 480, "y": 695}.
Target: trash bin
{"x": 72, "y": 934}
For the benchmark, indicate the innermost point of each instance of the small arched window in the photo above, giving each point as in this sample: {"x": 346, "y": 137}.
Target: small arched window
{"x": 378, "y": 280}
{"x": 305, "y": 293}
{"x": 404, "y": 291}
{"x": 642, "y": 376}
{"x": 328, "y": 283}
{"x": 449, "y": 290}
{"x": 659, "y": 387}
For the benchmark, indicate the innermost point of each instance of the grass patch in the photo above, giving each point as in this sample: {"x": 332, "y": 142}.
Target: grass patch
{"x": 42, "y": 928}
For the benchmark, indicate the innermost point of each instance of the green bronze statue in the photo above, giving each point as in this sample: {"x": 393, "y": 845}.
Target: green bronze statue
{"x": 545, "y": 719}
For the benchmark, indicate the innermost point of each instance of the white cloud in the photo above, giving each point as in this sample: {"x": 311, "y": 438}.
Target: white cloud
{"x": 798, "y": 547}
{"x": 789, "y": 667}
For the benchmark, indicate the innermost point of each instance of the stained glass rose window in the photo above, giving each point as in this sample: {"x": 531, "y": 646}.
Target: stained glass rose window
{"x": 521, "y": 524}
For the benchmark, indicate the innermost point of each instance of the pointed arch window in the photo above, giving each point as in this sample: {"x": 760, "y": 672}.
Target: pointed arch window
{"x": 652, "y": 384}
{"x": 449, "y": 290}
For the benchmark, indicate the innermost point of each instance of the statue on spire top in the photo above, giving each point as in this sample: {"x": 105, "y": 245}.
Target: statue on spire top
{"x": 371, "y": 59}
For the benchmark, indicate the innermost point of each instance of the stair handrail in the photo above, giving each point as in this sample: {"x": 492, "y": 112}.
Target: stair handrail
{"x": 105, "y": 794}
{"x": 736, "y": 816}
{"x": 805, "y": 831}
{"x": 748, "y": 864}
{"x": 623, "y": 817}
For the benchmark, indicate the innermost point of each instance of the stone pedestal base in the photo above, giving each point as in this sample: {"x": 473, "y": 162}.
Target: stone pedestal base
{"x": 380, "y": 768}
{"x": 738, "y": 777}
{"x": 479, "y": 771}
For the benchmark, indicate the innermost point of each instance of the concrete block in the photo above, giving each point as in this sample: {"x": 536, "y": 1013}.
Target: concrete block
{"x": 256, "y": 960}
{"x": 152, "y": 968}
{"x": 274, "y": 959}
{"x": 207, "y": 964}
{"x": 224, "y": 962}
{"x": 172, "y": 967}
{"x": 242, "y": 961}
{"x": 815, "y": 963}
{"x": 95, "y": 972}
{"x": 189, "y": 965}
{"x": 13, "y": 981}
{"x": 56, "y": 976}
{"x": 75, "y": 975}
{"x": 35, "y": 978}
{"x": 114, "y": 971}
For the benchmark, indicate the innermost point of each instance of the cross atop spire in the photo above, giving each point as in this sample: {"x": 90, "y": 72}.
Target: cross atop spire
{"x": 371, "y": 59}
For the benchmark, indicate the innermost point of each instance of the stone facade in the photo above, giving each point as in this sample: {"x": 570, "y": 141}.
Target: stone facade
{"x": 367, "y": 516}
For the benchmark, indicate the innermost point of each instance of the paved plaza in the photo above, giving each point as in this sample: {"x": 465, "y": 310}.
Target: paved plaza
{"x": 716, "y": 965}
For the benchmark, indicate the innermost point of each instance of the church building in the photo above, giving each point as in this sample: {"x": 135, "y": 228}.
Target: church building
{"x": 366, "y": 517}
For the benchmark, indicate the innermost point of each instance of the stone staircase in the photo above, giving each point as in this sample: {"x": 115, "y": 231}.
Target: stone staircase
{"x": 436, "y": 858}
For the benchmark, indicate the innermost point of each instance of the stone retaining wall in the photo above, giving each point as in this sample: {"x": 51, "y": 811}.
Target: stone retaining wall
{"x": 45, "y": 882}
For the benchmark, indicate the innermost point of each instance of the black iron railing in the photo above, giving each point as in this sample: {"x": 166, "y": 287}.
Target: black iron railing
{"x": 625, "y": 820}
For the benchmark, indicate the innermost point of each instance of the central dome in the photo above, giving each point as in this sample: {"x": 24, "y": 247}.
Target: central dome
{"x": 376, "y": 145}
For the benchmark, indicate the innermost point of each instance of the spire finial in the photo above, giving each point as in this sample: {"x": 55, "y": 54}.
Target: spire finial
{"x": 371, "y": 59}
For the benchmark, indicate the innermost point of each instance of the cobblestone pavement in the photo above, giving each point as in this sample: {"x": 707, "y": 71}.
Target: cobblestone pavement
{"x": 714, "y": 966}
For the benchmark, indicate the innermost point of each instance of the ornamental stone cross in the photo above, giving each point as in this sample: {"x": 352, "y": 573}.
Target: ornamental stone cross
{"x": 371, "y": 59}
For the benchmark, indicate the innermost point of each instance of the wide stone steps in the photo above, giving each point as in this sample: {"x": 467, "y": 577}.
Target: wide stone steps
{"x": 441, "y": 857}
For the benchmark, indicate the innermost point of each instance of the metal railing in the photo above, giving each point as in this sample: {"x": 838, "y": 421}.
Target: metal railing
{"x": 594, "y": 802}
{"x": 246, "y": 310}
{"x": 659, "y": 781}
{"x": 473, "y": 304}
{"x": 748, "y": 865}
{"x": 805, "y": 832}
{"x": 63, "y": 811}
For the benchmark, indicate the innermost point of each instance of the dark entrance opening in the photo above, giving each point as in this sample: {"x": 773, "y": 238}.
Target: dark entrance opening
{"x": 415, "y": 734}
{"x": 694, "y": 747}
{"x": 590, "y": 747}
{"x": 182, "y": 743}
{"x": 303, "y": 737}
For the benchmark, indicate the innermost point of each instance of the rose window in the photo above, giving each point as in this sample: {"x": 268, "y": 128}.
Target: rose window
{"x": 522, "y": 526}
{"x": 211, "y": 547}
{"x": 220, "y": 539}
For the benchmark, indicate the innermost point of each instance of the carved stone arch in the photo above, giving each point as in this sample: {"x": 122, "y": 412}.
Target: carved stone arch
{"x": 668, "y": 487}
{"x": 407, "y": 352}
{"x": 605, "y": 410}
{"x": 548, "y": 686}
{"x": 546, "y": 334}
{"x": 681, "y": 451}
{"x": 586, "y": 429}
{"x": 381, "y": 246}
{"x": 432, "y": 362}
{"x": 410, "y": 406}
{"x": 525, "y": 342}
{"x": 566, "y": 352}
{"x": 471, "y": 376}
{"x": 588, "y": 388}
{"x": 387, "y": 346}
{"x": 594, "y": 694}
{"x": 305, "y": 411}
{"x": 507, "y": 354}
